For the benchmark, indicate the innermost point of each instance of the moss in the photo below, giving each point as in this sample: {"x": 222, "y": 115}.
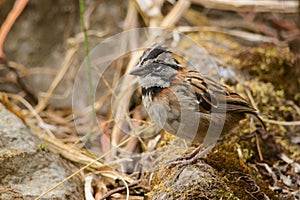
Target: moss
{"x": 169, "y": 186}
{"x": 236, "y": 172}
{"x": 7, "y": 155}
{"x": 270, "y": 62}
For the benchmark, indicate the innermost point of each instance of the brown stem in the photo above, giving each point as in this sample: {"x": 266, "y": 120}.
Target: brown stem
{"x": 10, "y": 20}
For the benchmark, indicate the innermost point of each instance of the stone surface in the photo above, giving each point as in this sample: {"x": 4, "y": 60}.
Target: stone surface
{"x": 198, "y": 181}
{"x": 26, "y": 169}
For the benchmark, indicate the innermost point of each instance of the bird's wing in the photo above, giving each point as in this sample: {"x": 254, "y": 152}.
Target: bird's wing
{"x": 215, "y": 97}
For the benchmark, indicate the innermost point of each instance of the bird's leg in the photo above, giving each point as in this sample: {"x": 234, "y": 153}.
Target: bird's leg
{"x": 192, "y": 157}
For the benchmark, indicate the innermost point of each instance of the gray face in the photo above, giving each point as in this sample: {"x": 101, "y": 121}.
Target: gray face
{"x": 156, "y": 68}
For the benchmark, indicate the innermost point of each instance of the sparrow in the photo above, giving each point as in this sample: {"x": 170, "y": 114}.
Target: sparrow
{"x": 185, "y": 102}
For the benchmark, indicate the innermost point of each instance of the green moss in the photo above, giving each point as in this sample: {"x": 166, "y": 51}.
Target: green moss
{"x": 233, "y": 169}
{"x": 7, "y": 155}
{"x": 207, "y": 187}
{"x": 272, "y": 64}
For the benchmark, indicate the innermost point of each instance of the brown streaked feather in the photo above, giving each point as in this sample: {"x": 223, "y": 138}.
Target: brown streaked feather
{"x": 209, "y": 92}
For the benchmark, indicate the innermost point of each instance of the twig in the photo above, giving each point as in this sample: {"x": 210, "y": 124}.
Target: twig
{"x": 176, "y": 13}
{"x": 142, "y": 13}
{"x": 10, "y": 20}
{"x": 252, "y": 37}
{"x": 120, "y": 113}
{"x": 92, "y": 162}
{"x": 89, "y": 11}
{"x": 65, "y": 66}
{"x": 30, "y": 108}
{"x": 88, "y": 187}
{"x": 256, "y": 136}
{"x": 258, "y": 148}
{"x": 284, "y": 123}
{"x": 251, "y": 6}
{"x": 119, "y": 189}
{"x": 89, "y": 71}
{"x": 251, "y": 99}
{"x": 130, "y": 22}
{"x": 21, "y": 83}
{"x": 291, "y": 103}
{"x": 67, "y": 151}
{"x": 78, "y": 38}
{"x": 121, "y": 109}
{"x": 269, "y": 169}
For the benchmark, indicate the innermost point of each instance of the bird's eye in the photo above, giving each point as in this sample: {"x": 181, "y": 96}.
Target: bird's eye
{"x": 141, "y": 62}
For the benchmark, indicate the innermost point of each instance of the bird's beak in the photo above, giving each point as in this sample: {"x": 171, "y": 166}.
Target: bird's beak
{"x": 137, "y": 71}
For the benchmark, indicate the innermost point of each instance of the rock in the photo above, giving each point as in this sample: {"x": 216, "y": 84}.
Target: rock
{"x": 183, "y": 181}
{"x": 198, "y": 181}
{"x": 27, "y": 170}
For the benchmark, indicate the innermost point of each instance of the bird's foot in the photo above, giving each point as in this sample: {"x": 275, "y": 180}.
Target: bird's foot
{"x": 191, "y": 158}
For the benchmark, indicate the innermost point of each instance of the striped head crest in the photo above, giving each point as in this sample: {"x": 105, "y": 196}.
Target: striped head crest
{"x": 156, "y": 67}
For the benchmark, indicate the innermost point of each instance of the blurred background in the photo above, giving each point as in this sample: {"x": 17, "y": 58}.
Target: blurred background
{"x": 254, "y": 44}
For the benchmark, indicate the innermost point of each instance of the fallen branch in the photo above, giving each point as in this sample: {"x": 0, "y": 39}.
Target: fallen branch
{"x": 119, "y": 189}
{"x": 251, "y": 6}
{"x": 252, "y": 37}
